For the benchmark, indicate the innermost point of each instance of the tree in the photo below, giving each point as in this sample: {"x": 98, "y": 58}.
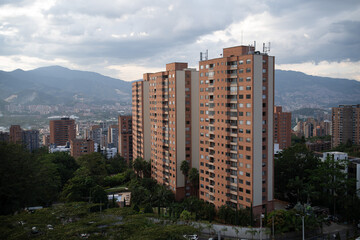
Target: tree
{"x": 79, "y": 187}
{"x": 26, "y": 179}
{"x": 95, "y": 164}
{"x": 147, "y": 169}
{"x": 65, "y": 164}
{"x": 98, "y": 195}
{"x": 138, "y": 166}
{"x": 236, "y": 229}
{"x": 186, "y": 216}
{"x": 210, "y": 227}
{"x": 331, "y": 181}
{"x": 163, "y": 196}
{"x": 46, "y": 181}
{"x": 115, "y": 165}
{"x": 184, "y": 167}
{"x": 226, "y": 214}
{"x": 194, "y": 179}
{"x": 293, "y": 167}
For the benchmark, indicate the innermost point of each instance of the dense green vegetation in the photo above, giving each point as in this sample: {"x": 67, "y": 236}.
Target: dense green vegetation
{"x": 82, "y": 186}
{"x": 302, "y": 177}
{"x": 349, "y": 148}
{"x": 42, "y": 179}
{"x": 78, "y": 220}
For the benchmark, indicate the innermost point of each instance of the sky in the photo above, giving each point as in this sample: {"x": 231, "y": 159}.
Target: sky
{"x": 124, "y": 39}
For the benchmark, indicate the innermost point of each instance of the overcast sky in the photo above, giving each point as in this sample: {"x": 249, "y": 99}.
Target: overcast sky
{"x": 124, "y": 39}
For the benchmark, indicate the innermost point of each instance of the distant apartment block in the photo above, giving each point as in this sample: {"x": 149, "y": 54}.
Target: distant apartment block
{"x": 345, "y": 125}
{"x": 62, "y": 131}
{"x": 125, "y": 145}
{"x": 236, "y": 129}
{"x": 166, "y": 123}
{"x": 113, "y": 136}
{"x": 4, "y": 136}
{"x": 96, "y": 134}
{"x": 30, "y": 139}
{"x": 15, "y": 134}
{"x": 282, "y": 128}
{"x": 46, "y": 140}
{"x": 80, "y": 147}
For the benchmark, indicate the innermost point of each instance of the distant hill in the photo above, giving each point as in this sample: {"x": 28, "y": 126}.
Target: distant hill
{"x": 295, "y": 90}
{"x": 55, "y": 84}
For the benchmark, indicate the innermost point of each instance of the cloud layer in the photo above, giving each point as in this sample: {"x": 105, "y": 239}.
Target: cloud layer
{"x": 122, "y": 38}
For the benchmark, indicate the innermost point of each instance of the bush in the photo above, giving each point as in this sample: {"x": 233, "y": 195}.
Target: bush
{"x": 136, "y": 208}
{"x": 148, "y": 209}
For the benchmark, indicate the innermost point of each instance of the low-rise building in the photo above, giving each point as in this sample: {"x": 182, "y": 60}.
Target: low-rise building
{"x": 318, "y": 146}
{"x": 53, "y": 148}
{"x": 79, "y": 147}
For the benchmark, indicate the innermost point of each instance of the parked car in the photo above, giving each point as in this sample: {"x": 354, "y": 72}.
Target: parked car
{"x": 191, "y": 237}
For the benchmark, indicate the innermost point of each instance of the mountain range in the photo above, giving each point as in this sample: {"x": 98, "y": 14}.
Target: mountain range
{"x": 59, "y": 85}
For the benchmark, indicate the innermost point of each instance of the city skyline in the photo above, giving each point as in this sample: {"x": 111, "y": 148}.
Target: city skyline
{"x": 118, "y": 38}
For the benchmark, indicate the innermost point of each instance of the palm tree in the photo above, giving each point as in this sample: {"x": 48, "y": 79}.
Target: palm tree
{"x": 184, "y": 167}
{"x": 138, "y": 166}
{"x": 194, "y": 179}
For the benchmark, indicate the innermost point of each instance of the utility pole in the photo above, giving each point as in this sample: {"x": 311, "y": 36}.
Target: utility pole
{"x": 303, "y": 227}
{"x": 273, "y": 228}
{"x": 261, "y": 217}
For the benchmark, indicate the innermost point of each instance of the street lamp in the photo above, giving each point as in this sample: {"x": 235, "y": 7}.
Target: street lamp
{"x": 261, "y": 217}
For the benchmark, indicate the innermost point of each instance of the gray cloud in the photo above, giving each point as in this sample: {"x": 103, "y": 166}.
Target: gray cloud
{"x": 101, "y": 33}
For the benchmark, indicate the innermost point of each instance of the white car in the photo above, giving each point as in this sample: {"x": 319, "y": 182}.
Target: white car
{"x": 191, "y": 237}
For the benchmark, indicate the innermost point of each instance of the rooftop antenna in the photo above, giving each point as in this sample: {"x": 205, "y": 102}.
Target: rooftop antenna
{"x": 204, "y": 55}
{"x": 242, "y": 36}
{"x": 266, "y": 49}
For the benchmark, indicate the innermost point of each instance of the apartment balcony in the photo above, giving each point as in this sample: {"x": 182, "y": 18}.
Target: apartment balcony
{"x": 232, "y": 98}
{"x": 211, "y": 168}
{"x": 211, "y": 116}
{"x": 233, "y": 150}
{"x": 233, "y": 166}
{"x": 233, "y": 140}
{"x": 233, "y": 132}
{"x": 233, "y": 156}
{"x": 233, "y": 75}
{"x": 232, "y": 181}
{"x": 211, "y": 129}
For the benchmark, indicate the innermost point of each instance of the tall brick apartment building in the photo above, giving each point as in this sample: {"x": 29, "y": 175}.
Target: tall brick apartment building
{"x": 125, "y": 145}
{"x": 61, "y": 131}
{"x": 345, "y": 124}
{"x": 166, "y": 123}
{"x": 282, "y": 127}
{"x": 236, "y": 129}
